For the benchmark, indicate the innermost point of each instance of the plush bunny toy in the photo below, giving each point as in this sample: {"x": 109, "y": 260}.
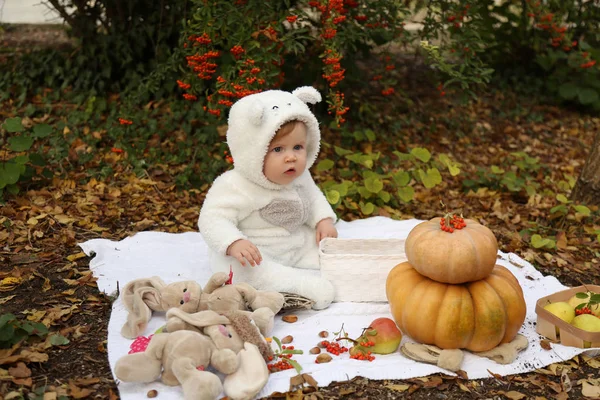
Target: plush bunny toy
{"x": 230, "y": 344}
{"x": 143, "y": 296}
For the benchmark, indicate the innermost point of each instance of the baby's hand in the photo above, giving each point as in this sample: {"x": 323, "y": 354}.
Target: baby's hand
{"x": 325, "y": 229}
{"x": 244, "y": 250}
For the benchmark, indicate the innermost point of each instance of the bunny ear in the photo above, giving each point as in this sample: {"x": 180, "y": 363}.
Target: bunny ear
{"x": 255, "y": 112}
{"x": 200, "y": 319}
{"x": 217, "y": 280}
{"x": 130, "y": 292}
{"x": 307, "y": 94}
{"x": 248, "y": 292}
{"x": 139, "y": 298}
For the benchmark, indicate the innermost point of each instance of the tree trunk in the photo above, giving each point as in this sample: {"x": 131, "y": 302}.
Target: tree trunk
{"x": 587, "y": 188}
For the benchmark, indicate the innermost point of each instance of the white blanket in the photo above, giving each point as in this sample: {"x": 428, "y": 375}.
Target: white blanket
{"x": 183, "y": 256}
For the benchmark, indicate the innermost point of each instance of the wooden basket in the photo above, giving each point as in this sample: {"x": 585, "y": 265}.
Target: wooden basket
{"x": 358, "y": 268}
{"x": 568, "y": 335}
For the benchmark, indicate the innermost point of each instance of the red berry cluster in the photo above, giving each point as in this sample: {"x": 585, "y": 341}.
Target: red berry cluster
{"x": 450, "y": 223}
{"x": 283, "y": 363}
{"x": 583, "y": 310}
{"x": 363, "y": 357}
{"x": 334, "y": 347}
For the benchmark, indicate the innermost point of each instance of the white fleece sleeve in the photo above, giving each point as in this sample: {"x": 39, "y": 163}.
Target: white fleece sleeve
{"x": 319, "y": 206}
{"x": 221, "y": 211}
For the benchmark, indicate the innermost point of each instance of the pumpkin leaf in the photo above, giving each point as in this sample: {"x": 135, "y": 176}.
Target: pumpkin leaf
{"x": 402, "y": 178}
{"x": 341, "y": 152}
{"x": 333, "y": 196}
{"x": 431, "y": 178}
{"x": 538, "y": 242}
{"x": 583, "y": 210}
{"x": 373, "y": 184}
{"x": 421, "y": 154}
{"x": 384, "y": 195}
{"x": 13, "y": 125}
{"x": 367, "y": 209}
{"x": 406, "y": 194}
{"x": 324, "y": 165}
{"x": 562, "y": 198}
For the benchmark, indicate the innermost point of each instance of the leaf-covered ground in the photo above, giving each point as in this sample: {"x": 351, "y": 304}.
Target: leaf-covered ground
{"x": 44, "y": 276}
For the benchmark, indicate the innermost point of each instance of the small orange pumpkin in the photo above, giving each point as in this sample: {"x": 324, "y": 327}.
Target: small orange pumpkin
{"x": 476, "y": 316}
{"x": 444, "y": 254}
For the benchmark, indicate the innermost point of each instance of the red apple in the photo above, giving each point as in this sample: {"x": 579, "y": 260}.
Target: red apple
{"x": 384, "y": 333}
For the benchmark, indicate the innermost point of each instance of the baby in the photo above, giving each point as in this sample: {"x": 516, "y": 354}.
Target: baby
{"x": 266, "y": 216}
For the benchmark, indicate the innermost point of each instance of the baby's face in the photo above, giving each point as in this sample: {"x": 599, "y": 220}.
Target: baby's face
{"x": 286, "y": 157}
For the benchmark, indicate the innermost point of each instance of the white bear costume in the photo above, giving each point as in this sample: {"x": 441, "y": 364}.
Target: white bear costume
{"x": 279, "y": 219}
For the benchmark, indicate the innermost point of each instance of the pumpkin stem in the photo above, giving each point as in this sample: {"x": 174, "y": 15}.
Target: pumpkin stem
{"x": 450, "y": 222}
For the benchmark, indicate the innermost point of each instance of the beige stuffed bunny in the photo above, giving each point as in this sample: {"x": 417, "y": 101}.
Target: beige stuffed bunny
{"x": 230, "y": 344}
{"x": 143, "y": 296}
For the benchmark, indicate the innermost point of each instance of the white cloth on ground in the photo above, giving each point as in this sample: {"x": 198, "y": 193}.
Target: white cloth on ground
{"x": 183, "y": 256}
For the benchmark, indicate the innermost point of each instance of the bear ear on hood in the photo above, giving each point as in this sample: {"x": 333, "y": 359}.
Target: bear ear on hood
{"x": 307, "y": 94}
{"x": 256, "y": 112}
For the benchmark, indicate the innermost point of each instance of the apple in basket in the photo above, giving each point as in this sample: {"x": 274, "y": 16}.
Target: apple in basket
{"x": 381, "y": 337}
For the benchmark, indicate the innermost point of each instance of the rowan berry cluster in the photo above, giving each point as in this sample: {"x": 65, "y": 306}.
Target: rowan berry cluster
{"x": 363, "y": 357}
{"x": 283, "y": 364}
{"x": 333, "y": 347}
{"x": 450, "y": 223}
{"x": 583, "y": 310}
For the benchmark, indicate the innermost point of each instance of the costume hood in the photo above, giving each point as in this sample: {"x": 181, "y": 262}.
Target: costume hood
{"x": 254, "y": 120}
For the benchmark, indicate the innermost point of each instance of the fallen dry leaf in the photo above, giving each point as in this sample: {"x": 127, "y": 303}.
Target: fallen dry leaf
{"x": 290, "y": 318}
{"x": 397, "y": 388}
{"x": 589, "y": 390}
{"x": 20, "y": 371}
{"x": 546, "y": 344}
{"x": 514, "y": 395}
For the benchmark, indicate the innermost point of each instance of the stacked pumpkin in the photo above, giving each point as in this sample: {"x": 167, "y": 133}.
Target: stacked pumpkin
{"x": 451, "y": 293}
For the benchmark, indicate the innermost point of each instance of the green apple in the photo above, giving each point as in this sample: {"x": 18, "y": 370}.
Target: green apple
{"x": 587, "y": 322}
{"x": 562, "y": 310}
{"x": 575, "y": 301}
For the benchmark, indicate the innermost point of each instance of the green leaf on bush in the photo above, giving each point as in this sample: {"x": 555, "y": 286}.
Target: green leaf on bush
{"x": 538, "y": 242}
{"x": 587, "y": 96}
{"x": 384, "y": 195}
{"x": 367, "y": 209}
{"x": 58, "y": 340}
{"x": 370, "y": 135}
{"x": 402, "y": 178}
{"x": 496, "y": 170}
{"x": 9, "y": 173}
{"x": 403, "y": 156}
{"x": 37, "y": 159}
{"x": 373, "y": 184}
{"x": 333, "y": 196}
{"x": 562, "y": 198}
{"x": 6, "y": 318}
{"x": 12, "y": 189}
{"x": 559, "y": 208}
{"x": 20, "y": 143}
{"x": 431, "y": 178}
{"x": 583, "y": 210}
{"x": 42, "y": 130}
{"x": 406, "y": 193}
{"x": 568, "y": 90}
{"x": 324, "y": 165}
{"x": 21, "y": 160}
{"x": 13, "y": 125}
{"x": 341, "y": 152}
{"x": 422, "y": 154}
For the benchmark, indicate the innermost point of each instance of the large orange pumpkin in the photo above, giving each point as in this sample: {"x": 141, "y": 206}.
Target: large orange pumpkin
{"x": 476, "y": 316}
{"x": 465, "y": 255}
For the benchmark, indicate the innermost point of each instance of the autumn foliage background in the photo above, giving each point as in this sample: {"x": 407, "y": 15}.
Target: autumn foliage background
{"x": 483, "y": 108}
